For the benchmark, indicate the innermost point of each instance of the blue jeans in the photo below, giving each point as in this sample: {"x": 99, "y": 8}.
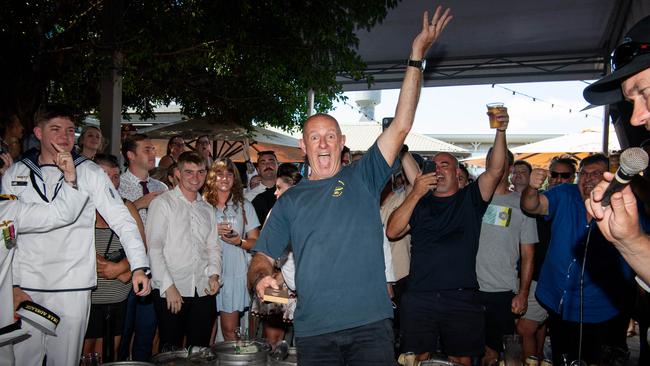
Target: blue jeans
{"x": 370, "y": 344}
{"x": 141, "y": 318}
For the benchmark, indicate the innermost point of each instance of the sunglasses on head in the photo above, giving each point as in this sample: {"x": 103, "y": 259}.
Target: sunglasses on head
{"x": 563, "y": 175}
{"x": 626, "y": 52}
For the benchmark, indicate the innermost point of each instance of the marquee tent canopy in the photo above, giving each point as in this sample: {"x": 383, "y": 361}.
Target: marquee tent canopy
{"x": 500, "y": 41}
{"x": 539, "y": 154}
{"x": 228, "y": 139}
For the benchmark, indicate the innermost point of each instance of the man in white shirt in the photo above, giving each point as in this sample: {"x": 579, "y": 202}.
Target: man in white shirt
{"x": 138, "y": 187}
{"x": 185, "y": 257}
{"x": 57, "y": 269}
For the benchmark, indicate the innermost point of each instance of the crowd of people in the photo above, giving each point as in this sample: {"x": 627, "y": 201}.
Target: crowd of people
{"x": 381, "y": 254}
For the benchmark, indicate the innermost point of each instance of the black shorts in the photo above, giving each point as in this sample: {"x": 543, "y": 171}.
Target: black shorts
{"x": 499, "y": 319}
{"x": 98, "y": 313}
{"x": 450, "y": 321}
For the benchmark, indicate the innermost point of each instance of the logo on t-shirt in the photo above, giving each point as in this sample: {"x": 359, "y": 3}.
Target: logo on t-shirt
{"x": 338, "y": 190}
{"x": 497, "y": 215}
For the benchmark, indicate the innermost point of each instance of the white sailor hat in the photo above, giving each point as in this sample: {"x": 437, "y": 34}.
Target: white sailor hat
{"x": 39, "y": 316}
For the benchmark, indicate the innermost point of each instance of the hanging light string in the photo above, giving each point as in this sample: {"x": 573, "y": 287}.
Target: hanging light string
{"x": 514, "y": 92}
{"x": 360, "y": 111}
{"x": 553, "y": 105}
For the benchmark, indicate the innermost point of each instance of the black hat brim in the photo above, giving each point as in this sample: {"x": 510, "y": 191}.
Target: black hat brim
{"x": 608, "y": 89}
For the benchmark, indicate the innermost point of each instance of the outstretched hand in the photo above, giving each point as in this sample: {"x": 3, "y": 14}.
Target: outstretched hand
{"x": 431, "y": 30}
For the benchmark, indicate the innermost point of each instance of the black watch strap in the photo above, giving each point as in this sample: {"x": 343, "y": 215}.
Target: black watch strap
{"x": 420, "y": 64}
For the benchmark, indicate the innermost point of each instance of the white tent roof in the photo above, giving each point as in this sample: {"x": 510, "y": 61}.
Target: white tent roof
{"x": 360, "y": 136}
{"x": 193, "y": 128}
{"x": 585, "y": 141}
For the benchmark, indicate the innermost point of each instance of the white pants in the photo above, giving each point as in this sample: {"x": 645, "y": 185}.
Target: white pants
{"x": 64, "y": 349}
{"x": 7, "y": 355}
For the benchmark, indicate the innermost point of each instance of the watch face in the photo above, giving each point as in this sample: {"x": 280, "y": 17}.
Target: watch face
{"x": 424, "y": 64}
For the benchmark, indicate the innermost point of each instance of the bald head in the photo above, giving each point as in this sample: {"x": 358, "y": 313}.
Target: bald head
{"x": 447, "y": 155}
{"x": 320, "y": 117}
{"x": 322, "y": 142}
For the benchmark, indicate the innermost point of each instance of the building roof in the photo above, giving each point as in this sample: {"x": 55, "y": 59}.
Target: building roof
{"x": 360, "y": 136}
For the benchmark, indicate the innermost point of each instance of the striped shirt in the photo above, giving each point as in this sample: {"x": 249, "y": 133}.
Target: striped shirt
{"x": 108, "y": 291}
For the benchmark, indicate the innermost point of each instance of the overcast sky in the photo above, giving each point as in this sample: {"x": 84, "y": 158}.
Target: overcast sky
{"x": 461, "y": 109}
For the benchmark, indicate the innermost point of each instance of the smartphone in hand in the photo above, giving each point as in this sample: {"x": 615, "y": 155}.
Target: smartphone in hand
{"x": 428, "y": 167}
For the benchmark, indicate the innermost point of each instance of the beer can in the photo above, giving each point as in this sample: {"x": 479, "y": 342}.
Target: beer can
{"x": 532, "y": 361}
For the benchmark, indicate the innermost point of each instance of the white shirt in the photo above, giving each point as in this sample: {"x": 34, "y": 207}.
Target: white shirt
{"x": 250, "y": 194}
{"x": 64, "y": 259}
{"x": 183, "y": 242}
{"x": 131, "y": 189}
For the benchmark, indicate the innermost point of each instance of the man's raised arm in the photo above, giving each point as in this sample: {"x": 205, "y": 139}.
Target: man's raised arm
{"x": 488, "y": 181}
{"x": 390, "y": 141}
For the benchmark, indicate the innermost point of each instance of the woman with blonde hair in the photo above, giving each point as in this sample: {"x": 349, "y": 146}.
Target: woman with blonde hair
{"x": 90, "y": 141}
{"x": 238, "y": 230}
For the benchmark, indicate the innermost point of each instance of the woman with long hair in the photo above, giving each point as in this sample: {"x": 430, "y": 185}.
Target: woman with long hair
{"x": 90, "y": 141}
{"x": 175, "y": 147}
{"x": 238, "y": 230}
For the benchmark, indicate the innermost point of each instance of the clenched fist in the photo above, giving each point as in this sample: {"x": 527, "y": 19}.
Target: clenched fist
{"x": 537, "y": 177}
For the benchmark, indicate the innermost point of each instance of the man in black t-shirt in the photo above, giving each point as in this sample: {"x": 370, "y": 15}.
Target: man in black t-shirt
{"x": 441, "y": 303}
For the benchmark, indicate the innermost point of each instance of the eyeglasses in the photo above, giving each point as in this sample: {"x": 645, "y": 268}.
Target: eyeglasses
{"x": 626, "y": 52}
{"x": 595, "y": 174}
{"x": 563, "y": 175}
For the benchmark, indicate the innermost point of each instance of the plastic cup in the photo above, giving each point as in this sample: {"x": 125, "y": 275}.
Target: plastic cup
{"x": 493, "y": 109}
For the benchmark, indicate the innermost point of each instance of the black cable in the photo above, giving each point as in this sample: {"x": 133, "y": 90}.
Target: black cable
{"x": 582, "y": 279}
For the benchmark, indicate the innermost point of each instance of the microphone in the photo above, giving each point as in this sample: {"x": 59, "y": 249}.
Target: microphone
{"x": 633, "y": 161}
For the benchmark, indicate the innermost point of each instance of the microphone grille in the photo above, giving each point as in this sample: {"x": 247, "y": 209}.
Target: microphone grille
{"x": 634, "y": 160}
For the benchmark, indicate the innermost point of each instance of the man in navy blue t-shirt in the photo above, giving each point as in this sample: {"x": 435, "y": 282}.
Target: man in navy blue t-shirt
{"x": 332, "y": 222}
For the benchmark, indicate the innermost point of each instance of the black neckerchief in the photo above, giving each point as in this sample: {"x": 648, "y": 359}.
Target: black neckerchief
{"x": 30, "y": 159}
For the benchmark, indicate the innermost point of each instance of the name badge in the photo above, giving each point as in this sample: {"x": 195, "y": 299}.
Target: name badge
{"x": 15, "y": 183}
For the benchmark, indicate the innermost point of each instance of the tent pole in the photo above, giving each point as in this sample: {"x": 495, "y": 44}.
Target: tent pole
{"x": 606, "y": 130}
{"x": 310, "y": 101}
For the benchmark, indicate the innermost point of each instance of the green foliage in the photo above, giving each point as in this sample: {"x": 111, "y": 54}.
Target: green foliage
{"x": 238, "y": 61}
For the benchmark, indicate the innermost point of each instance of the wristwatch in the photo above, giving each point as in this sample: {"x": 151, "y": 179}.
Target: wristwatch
{"x": 420, "y": 64}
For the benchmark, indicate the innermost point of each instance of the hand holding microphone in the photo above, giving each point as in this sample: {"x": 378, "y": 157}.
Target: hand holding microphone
{"x": 633, "y": 161}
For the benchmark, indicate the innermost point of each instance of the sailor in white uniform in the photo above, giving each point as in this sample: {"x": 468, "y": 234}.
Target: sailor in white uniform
{"x": 57, "y": 269}
{"x": 18, "y": 217}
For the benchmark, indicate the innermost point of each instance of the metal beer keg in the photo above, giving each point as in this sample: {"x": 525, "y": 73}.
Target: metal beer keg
{"x": 241, "y": 353}
{"x": 291, "y": 360}
{"x": 437, "y": 362}
{"x": 194, "y": 356}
